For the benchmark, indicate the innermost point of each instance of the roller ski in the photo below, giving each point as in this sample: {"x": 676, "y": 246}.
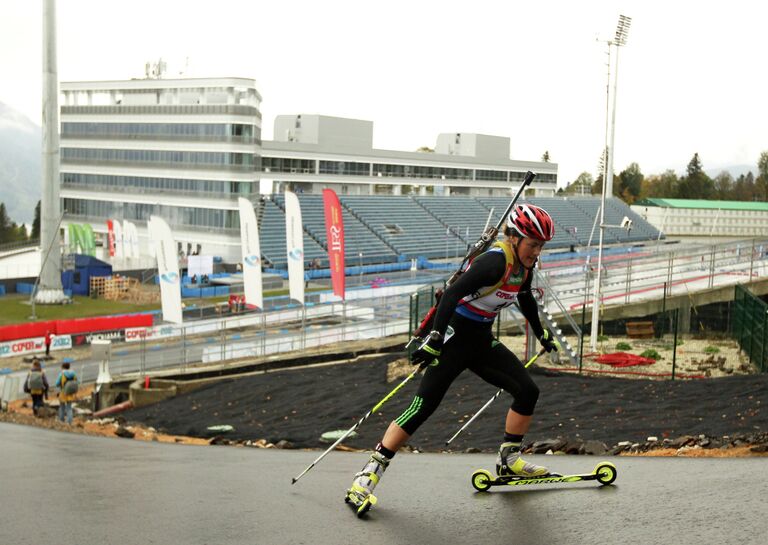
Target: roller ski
{"x": 482, "y": 480}
{"x": 360, "y": 495}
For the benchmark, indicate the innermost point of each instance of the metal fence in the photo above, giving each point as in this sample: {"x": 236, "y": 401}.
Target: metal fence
{"x": 750, "y": 327}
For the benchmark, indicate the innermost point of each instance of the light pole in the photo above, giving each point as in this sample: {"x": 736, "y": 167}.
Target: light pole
{"x": 49, "y": 290}
{"x": 622, "y": 31}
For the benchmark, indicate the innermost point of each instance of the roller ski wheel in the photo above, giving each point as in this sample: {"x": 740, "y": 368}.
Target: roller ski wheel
{"x": 604, "y": 473}
{"x": 482, "y": 480}
{"x": 360, "y": 507}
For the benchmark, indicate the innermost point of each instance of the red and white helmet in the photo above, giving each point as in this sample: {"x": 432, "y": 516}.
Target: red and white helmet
{"x": 532, "y": 222}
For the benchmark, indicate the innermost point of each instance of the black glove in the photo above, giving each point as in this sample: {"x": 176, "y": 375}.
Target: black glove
{"x": 548, "y": 343}
{"x": 429, "y": 351}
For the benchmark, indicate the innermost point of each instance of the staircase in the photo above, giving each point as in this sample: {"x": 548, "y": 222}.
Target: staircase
{"x": 550, "y": 296}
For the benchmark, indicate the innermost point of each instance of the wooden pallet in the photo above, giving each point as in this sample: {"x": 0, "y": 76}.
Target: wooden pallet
{"x": 640, "y": 330}
{"x": 111, "y": 288}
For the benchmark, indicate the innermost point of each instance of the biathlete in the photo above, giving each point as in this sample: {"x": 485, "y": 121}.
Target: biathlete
{"x": 462, "y": 338}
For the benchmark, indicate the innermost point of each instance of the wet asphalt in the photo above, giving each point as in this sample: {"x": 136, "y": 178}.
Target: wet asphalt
{"x": 59, "y": 488}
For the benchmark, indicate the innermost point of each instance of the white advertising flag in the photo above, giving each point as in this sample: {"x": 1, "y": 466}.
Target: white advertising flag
{"x": 134, "y": 240}
{"x": 130, "y": 237}
{"x": 167, "y": 268}
{"x": 294, "y": 240}
{"x": 118, "y": 230}
{"x": 249, "y": 239}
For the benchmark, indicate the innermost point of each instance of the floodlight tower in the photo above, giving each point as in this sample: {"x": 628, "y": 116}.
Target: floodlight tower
{"x": 48, "y": 288}
{"x": 620, "y": 39}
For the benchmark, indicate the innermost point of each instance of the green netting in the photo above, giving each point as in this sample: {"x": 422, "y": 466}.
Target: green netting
{"x": 750, "y": 327}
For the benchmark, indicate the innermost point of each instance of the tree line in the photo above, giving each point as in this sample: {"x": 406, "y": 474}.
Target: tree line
{"x": 11, "y": 232}
{"x": 632, "y": 185}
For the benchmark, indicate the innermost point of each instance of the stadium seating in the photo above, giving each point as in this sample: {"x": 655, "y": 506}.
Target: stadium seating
{"x": 272, "y": 238}
{"x": 461, "y": 216}
{"x": 401, "y": 222}
{"x": 358, "y": 238}
{"x": 390, "y": 228}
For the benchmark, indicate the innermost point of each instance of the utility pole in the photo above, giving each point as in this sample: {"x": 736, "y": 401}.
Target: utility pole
{"x": 49, "y": 290}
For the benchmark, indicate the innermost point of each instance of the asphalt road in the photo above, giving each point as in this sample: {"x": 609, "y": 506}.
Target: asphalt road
{"x": 66, "y": 488}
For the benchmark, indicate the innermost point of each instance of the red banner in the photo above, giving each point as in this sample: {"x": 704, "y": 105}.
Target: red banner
{"x": 111, "y": 238}
{"x": 70, "y": 327}
{"x": 334, "y": 230}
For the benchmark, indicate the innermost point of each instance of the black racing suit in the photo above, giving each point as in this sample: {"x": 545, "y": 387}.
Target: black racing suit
{"x": 473, "y": 346}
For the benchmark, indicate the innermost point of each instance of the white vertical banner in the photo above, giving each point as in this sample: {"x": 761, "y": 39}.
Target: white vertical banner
{"x": 150, "y": 242}
{"x": 129, "y": 234}
{"x": 133, "y": 239}
{"x": 294, "y": 241}
{"x": 118, "y": 231}
{"x": 167, "y": 268}
{"x": 249, "y": 240}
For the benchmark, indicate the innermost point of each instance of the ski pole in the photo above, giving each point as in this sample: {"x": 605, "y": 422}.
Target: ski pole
{"x": 353, "y": 428}
{"x": 497, "y": 394}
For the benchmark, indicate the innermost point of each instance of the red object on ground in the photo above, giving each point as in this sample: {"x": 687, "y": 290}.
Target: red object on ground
{"x": 124, "y": 406}
{"x": 622, "y": 359}
{"x": 146, "y": 383}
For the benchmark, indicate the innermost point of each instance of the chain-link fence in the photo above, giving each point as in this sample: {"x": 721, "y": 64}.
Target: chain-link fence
{"x": 692, "y": 341}
{"x": 750, "y": 326}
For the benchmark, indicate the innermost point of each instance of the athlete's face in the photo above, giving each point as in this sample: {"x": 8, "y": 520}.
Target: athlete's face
{"x": 529, "y": 250}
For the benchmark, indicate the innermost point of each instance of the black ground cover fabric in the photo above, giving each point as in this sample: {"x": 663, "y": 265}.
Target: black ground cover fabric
{"x": 300, "y": 405}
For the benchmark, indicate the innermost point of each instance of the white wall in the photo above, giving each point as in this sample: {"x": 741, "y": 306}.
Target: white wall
{"x": 705, "y": 222}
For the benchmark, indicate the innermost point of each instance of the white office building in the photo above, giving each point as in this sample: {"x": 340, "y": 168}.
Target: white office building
{"x": 186, "y": 149}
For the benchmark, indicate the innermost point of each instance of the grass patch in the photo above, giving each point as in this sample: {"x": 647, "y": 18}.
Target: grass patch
{"x": 711, "y": 349}
{"x": 651, "y": 353}
{"x": 17, "y": 310}
{"x": 623, "y": 346}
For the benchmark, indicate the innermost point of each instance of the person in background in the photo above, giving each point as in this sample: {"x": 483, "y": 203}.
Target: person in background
{"x": 48, "y": 340}
{"x": 314, "y": 265}
{"x": 67, "y": 384}
{"x": 36, "y": 385}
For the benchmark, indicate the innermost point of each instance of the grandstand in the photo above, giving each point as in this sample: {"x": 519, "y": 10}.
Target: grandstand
{"x": 408, "y": 228}
{"x": 272, "y": 236}
{"x": 564, "y": 237}
{"x": 458, "y": 215}
{"x": 358, "y": 238}
{"x": 388, "y": 228}
{"x": 615, "y": 211}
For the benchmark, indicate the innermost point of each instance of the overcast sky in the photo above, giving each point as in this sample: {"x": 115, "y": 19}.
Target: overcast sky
{"x": 691, "y": 78}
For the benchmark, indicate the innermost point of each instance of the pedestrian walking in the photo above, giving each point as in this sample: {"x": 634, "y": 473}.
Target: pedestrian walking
{"x": 68, "y": 385}
{"x": 36, "y": 384}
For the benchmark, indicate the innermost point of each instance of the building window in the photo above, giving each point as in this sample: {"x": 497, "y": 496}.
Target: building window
{"x": 344, "y": 168}
{"x": 291, "y": 166}
{"x": 166, "y": 157}
{"x": 491, "y": 175}
{"x": 238, "y": 132}
{"x": 204, "y": 218}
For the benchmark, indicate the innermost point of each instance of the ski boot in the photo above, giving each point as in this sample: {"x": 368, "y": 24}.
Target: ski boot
{"x": 510, "y": 464}
{"x": 360, "y": 495}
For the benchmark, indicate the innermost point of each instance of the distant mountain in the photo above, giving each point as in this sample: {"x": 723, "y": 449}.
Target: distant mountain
{"x": 20, "y": 164}
{"x": 734, "y": 170}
